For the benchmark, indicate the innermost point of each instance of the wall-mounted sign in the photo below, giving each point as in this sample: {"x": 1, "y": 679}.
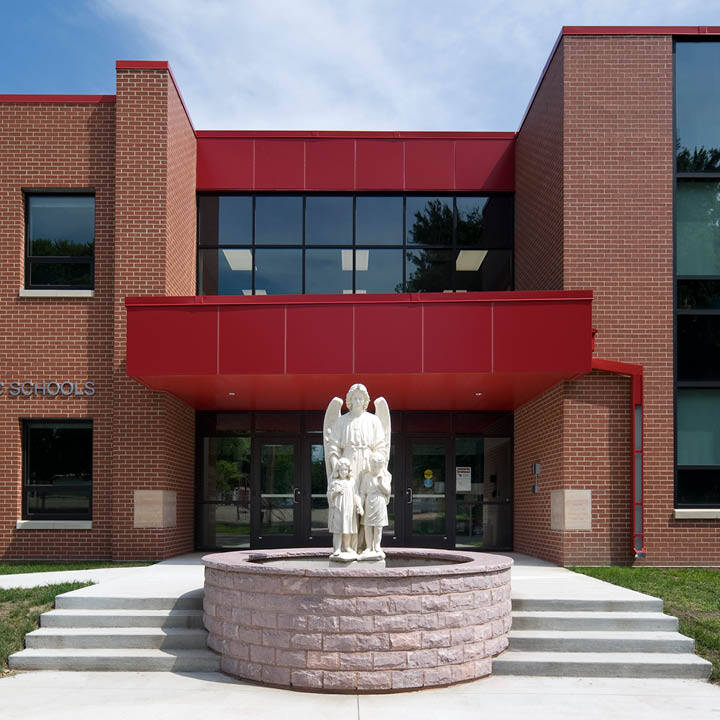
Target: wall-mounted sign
{"x": 54, "y": 388}
{"x": 463, "y": 479}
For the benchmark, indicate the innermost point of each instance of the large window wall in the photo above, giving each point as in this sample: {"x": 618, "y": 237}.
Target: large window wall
{"x": 277, "y": 244}
{"x": 697, "y": 269}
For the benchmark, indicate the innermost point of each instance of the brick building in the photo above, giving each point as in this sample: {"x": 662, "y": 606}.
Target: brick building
{"x": 541, "y": 310}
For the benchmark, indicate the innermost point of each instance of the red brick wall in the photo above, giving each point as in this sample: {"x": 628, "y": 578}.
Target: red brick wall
{"x": 55, "y": 146}
{"x": 617, "y": 194}
{"x": 539, "y": 187}
{"x": 155, "y": 255}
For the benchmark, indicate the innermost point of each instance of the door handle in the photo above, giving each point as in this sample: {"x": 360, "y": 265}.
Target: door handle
{"x": 296, "y": 495}
{"x": 409, "y": 494}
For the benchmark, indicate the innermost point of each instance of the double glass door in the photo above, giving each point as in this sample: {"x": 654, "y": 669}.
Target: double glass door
{"x": 288, "y": 500}
{"x": 269, "y": 490}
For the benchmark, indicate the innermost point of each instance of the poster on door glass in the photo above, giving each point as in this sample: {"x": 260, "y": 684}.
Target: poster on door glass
{"x": 463, "y": 482}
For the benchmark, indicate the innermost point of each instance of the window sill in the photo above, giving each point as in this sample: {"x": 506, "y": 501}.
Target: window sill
{"x": 56, "y": 293}
{"x": 53, "y": 525}
{"x": 698, "y": 514}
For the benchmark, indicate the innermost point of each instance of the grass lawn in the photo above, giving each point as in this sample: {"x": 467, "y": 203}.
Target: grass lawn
{"x": 691, "y": 594}
{"x": 25, "y": 566}
{"x": 19, "y": 613}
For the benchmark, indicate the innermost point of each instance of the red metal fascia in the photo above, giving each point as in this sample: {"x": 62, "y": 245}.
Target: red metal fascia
{"x": 641, "y": 30}
{"x": 60, "y": 99}
{"x": 156, "y": 65}
{"x": 638, "y": 439}
{"x": 352, "y": 134}
{"x": 378, "y": 298}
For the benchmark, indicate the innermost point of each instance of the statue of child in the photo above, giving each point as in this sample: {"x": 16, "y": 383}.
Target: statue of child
{"x": 375, "y": 494}
{"x": 344, "y": 506}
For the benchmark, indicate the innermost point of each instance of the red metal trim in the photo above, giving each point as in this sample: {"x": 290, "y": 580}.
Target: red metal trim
{"x": 142, "y": 65}
{"x": 402, "y": 298}
{"x": 641, "y": 30}
{"x": 636, "y": 406}
{"x": 156, "y": 65}
{"x": 88, "y": 99}
{"x": 349, "y": 134}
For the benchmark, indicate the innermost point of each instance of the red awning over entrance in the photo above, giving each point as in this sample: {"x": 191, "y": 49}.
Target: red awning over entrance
{"x": 469, "y": 351}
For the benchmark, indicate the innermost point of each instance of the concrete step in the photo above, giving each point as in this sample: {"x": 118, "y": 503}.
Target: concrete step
{"x": 600, "y": 641}
{"x": 561, "y": 604}
{"x": 127, "y": 660}
{"x": 117, "y": 638}
{"x": 79, "y": 601}
{"x": 590, "y": 664}
{"x": 579, "y": 620}
{"x": 122, "y": 618}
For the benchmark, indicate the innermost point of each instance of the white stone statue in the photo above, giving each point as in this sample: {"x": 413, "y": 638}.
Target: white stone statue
{"x": 375, "y": 496}
{"x": 354, "y": 436}
{"x": 344, "y": 506}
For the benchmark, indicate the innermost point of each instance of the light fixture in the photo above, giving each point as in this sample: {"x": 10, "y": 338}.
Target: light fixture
{"x": 247, "y": 292}
{"x": 362, "y": 259}
{"x": 231, "y": 394}
{"x": 478, "y": 394}
{"x": 470, "y": 260}
{"x": 261, "y": 292}
{"x": 238, "y": 259}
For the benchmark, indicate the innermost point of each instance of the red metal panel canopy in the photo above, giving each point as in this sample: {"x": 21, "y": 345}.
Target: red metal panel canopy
{"x": 470, "y": 351}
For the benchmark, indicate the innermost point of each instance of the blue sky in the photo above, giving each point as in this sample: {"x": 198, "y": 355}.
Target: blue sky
{"x": 317, "y": 64}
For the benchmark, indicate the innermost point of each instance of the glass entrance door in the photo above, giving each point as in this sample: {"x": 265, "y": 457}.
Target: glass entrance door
{"x": 428, "y": 493}
{"x": 276, "y": 501}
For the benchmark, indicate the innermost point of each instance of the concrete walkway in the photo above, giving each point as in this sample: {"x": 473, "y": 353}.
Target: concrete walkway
{"x": 98, "y": 575}
{"x": 58, "y": 695}
{"x": 172, "y": 696}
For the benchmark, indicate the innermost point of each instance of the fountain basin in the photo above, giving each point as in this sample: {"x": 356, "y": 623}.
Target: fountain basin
{"x": 290, "y": 618}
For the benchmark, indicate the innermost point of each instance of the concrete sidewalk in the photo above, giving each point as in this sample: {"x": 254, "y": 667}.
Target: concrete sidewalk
{"x": 172, "y": 696}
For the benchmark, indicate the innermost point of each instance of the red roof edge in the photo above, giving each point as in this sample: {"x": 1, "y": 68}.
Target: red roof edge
{"x": 156, "y": 65}
{"x": 640, "y": 30}
{"x": 351, "y": 134}
{"x": 88, "y": 99}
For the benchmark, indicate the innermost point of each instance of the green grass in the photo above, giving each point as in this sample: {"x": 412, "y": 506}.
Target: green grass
{"x": 20, "y": 609}
{"x": 25, "y": 566}
{"x": 691, "y": 594}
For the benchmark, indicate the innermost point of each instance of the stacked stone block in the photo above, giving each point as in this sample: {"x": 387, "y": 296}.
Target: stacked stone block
{"x": 348, "y": 629}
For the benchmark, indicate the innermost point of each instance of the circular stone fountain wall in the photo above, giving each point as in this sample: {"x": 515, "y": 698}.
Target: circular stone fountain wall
{"x": 291, "y": 618}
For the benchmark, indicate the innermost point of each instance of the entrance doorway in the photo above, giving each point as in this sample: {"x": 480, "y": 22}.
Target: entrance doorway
{"x": 263, "y": 489}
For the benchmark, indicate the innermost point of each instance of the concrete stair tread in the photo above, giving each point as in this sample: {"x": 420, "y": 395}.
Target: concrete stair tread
{"x": 620, "y": 614}
{"x": 157, "y": 660}
{"x": 72, "y": 601}
{"x": 159, "y": 631}
{"x": 605, "y": 664}
{"x": 600, "y": 634}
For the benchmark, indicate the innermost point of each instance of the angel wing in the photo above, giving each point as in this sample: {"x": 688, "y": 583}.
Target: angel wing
{"x": 383, "y": 413}
{"x": 331, "y": 416}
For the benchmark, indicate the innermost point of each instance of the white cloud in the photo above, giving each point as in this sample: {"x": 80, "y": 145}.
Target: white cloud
{"x": 370, "y": 64}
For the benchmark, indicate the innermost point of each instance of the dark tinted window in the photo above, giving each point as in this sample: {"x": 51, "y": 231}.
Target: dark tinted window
{"x": 328, "y": 220}
{"x": 58, "y": 469}
{"x": 699, "y": 486}
{"x": 60, "y": 241}
{"x": 328, "y": 271}
{"x": 378, "y": 270}
{"x": 698, "y": 347}
{"x": 429, "y": 270}
{"x": 235, "y": 220}
{"x": 483, "y": 270}
{"x": 429, "y": 220}
{"x": 278, "y": 220}
{"x": 278, "y": 272}
{"x": 485, "y": 221}
{"x": 697, "y": 92}
{"x": 379, "y": 220}
{"x": 697, "y": 210}
{"x": 698, "y": 295}
{"x": 698, "y": 426}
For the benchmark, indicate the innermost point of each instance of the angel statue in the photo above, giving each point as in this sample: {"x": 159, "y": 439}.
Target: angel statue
{"x": 355, "y": 436}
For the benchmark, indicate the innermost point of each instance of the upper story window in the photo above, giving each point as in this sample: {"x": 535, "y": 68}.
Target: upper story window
{"x": 339, "y": 244}
{"x": 697, "y": 273}
{"x": 60, "y": 241}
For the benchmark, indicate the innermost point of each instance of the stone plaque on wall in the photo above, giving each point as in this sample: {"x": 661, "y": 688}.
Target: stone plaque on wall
{"x": 155, "y": 508}
{"x": 571, "y": 510}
